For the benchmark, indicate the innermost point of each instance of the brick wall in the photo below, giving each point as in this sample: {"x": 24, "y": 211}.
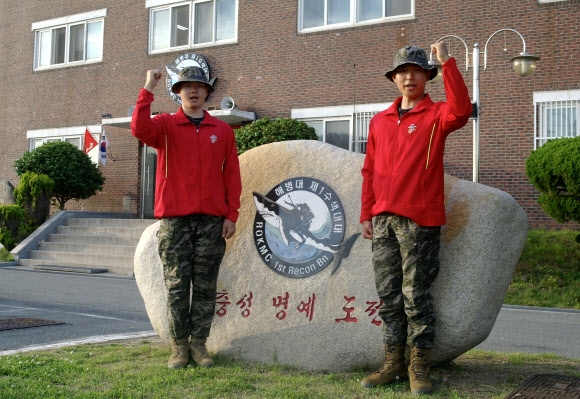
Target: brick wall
{"x": 273, "y": 69}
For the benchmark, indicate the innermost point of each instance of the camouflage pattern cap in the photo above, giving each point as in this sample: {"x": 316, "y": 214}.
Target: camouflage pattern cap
{"x": 192, "y": 74}
{"x": 412, "y": 55}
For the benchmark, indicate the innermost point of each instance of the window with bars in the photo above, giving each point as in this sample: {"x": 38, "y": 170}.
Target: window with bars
{"x": 343, "y": 126}
{"x": 557, "y": 115}
{"x": 361, "y": 131}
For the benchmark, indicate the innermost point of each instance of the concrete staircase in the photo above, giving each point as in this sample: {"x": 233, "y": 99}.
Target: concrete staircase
{"x": 89, "y": 245}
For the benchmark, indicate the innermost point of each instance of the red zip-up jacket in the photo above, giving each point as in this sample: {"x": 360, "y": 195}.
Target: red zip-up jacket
{"x": 403, "y": 169}
{"x": 198, "y": 171}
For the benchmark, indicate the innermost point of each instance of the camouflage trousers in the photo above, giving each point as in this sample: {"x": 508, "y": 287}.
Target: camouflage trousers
{"x": 191, "y": 250}
{"x": 406, "y": 262}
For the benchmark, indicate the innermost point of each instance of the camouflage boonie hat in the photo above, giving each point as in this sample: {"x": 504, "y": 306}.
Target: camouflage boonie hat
{"x": 412, "y": 55}
{"x": 192, "y": 74}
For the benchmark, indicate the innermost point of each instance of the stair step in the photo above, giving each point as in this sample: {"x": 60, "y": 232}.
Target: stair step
{"x": 55, "y": 268}
{"x": 109, "y": 231}
{"x": 118, "y": 269}
{"x": 92, "y": 239}
{"x": 92, "y": 259}
{"x": 90, "y": 245}
{"x": 89, "y": 248}
{"x": 106, "y": 222}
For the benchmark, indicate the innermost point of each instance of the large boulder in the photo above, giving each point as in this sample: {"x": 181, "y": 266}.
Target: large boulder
{"x": 323, "y": 315}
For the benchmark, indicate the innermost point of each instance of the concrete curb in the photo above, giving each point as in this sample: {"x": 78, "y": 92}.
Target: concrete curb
{"x": 4, "y": 264}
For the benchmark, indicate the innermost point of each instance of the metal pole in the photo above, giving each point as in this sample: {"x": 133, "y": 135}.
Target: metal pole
{"x": 476, "y": 119}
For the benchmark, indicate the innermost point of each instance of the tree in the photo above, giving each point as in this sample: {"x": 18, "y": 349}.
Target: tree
{"x": 75, "y": 176}
{"x": 33, "y": 194}
{"x": 554, "y": 169}
{"x": 264, "y": 131}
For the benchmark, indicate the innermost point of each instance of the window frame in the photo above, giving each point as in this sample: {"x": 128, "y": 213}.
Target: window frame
{"x": 354, "y": 17}
{"x": 325, "y": 122}
{"x": 155, "y": 6}
{"x": 41, "y": 28}
{"x": 44, "y": 136}
{"x": 358, "y": 115}
{"x": 550, "y": 100}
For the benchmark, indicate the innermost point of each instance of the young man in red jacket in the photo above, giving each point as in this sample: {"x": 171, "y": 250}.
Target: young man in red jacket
{"x": 403, "y": 207}
{"x": 197, "y": 198}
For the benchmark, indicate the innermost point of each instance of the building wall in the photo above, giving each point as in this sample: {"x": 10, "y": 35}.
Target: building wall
{"x": 273, "y": 69}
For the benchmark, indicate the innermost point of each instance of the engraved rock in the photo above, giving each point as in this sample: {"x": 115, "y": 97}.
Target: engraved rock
{"x": 328, "y": 321}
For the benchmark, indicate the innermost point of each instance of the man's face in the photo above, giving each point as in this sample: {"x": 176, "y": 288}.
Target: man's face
{"x": 411, "y": 80}
{"x": 193, "y": 94}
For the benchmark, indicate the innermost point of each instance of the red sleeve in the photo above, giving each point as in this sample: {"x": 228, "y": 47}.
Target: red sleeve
{"x": 148, "y": 130}
{"x": 458, "y": 104}
{"x": 367, "y": 194}
{"x": 232, "y": 179}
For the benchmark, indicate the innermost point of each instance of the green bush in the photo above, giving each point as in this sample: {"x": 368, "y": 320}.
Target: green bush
{"x": 75, "y": 176}
{"x": 12, "y": 222}
{"x": 5, "y": 255}
{"x": 554, "y": 169}
{"x": 264, "y": 131}
{"x": 33, "y": 194}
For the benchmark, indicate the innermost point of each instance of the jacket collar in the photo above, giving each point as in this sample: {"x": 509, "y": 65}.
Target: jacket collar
{"x": 426, "y": 102}
{"x": 181, "y": 118}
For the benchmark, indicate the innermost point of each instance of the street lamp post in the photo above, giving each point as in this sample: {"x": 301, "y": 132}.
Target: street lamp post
{"x": 524, "y": 64}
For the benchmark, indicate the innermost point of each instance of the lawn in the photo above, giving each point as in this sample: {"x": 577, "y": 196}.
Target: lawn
{"x": 138, "y": 369}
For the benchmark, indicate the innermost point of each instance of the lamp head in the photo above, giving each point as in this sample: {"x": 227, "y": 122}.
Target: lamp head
{"x": 439, "y": 66}
{"x": 524, "y": 64}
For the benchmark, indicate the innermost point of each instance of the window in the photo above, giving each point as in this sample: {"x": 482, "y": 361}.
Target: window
{"x": 557, "y": 115}
{"x": 74, "y": 135}
{"x": 330, "y": 14}
{"x": 345, "y": 126}
{"x": 332, "y": 131}
{"x": 191, "y": 24}
{"x": 76, "y": 141}
{"x": 70, "y": 40}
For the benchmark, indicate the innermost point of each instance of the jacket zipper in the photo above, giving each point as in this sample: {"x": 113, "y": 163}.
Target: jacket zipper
{"x": 429, "y": 149}
{"x": 166, "y": 155}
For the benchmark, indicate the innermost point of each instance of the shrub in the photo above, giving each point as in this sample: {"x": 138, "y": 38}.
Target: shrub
{"x": 33, "y": 194}
{"x": 75, "y": 176}
{"x": 5, "y": 255}
{"x": 12, "y": 225}
{"x": 264, "y": 131}
{"x": 554, "y": 169}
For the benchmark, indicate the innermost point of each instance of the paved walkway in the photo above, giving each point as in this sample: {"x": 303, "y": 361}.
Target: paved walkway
{"x": 535, "y": 330}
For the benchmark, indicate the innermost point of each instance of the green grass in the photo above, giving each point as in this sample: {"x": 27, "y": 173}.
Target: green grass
{"x": 138, "y": 369}
{"x": 548, "y": 273}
